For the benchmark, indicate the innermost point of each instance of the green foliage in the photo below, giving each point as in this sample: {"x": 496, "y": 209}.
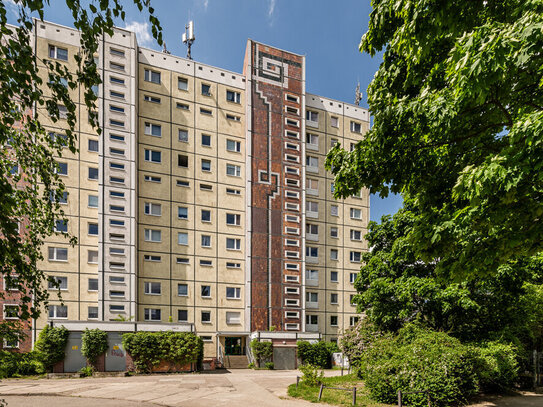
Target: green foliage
{"x": 86, "y": 371}
{"x": 261, "y": 350}
{"x": 251, "y": 365}
{"x": 148, "y": 349}
{"x": 269, "y": 365}
{"x": 358, "y": 339}
{"x": 457, "y": 108}
{"x": 317, "y": 354}
{"x": 15, "y": 364}
{"x": 497, "y": 365}
{"x": 312, "y": 375}
{"x": 93, "y": 344}
{"x": 32, "y": 84}
{"x": 419, "y": 359}
{"x": 397, "y": 287}
{"x": 52, "y": 344}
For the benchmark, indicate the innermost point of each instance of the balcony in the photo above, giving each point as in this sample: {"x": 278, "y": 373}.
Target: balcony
{"x": 312, "y": 282}
{"x": 311, "y": 214}
{"x": 312, "y": 260}
{"x": 311, "y": 305}
{"x": 312, "y": 328}
{"x": 312, "y": 236}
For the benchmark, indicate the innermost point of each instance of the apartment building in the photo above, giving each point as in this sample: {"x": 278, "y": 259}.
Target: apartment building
{"x": 204, "y": 204}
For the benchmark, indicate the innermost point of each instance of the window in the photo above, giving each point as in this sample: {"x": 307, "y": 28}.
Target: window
{"x": 312, "y": 185}
{"x": 232, "y": 265}
{"x": 93, "y": 229}
{"x": 181, "y": 183}
{"x": 183, "y": 135}
{"x": 118, "y": 67}
{"x": 92, "y": 313}
{"x": 117, "y": 123}
{"x": 117, "y": 52}
{"x": 206, "y": 187}
{"x": 311, "y": 251}
{"x": 206, "y": 90}
{"x": 232, "y": 145}
{"x": 312, "y": 319}
{"x": 116, "y": 109}
{"x": 182, "y": 290}
{"x": 116, "y": 166}
{"x": 116, "y": 194}
{"x": 152, "y": 99}
{"x": 232, "y": 96}
{"x": 152, "y": 129}
{"x": 233, "y": 318}
{"x": 334, "y": 210}
{"x": 233, "y": 191}
{"x": 233, "y": 170}
{"x": 152, "y": 209}
{"x": 151, "y": 76}
{"x": 62, "y": 168}
{"x": 312, "y": 162}
{"x": 182, "y": 106}
{"x": 356, "y": 213}
{"x": 352, "y": 277}
{"x": 205, "y": 291}
{"x": 333, "y": 320}
{"x": 206, "y": 317}
{"x": 233, "y": 219}
{"x": 118, "y": 180}
{"x": 182, "y": 260}
{"x": 58, "y": 283}
{"x": 206, "y": 111}
{"x": 334, "y": 232}
{"x": 93, "y": 173}
{"x": 182, "y": 315}
{"x": 152, "y": 235}
{"x": 116, "y": 151}
{"x": 333, "y": 254}
{"x": 115, "y": 94}
{"x": 58, "y": 254}
{"x": 61, "y": 226}
{"x": 356, "y": 127}
{"x": 152, "y": 314}
{"x": 149, "y": 257}
{"x": 206, "y": 165}
{"x": 291, "y": 122}
{"x": 233, "y": 117}
{"x": 58, "y": 53}
{"x": 150, "y": 178}
{"x": 233, "y": 244}
{"x": 312, "y": 275}
{"x": 292, "y": 134}
{"x": 334, "y": 121}
{"x": 117, "y": 251}
{"x": 115, "y": 80}
{"x": 206, "y": 241}
{"x": 334, "y": 276}
{"x": 312, "y": 141}
{"x": 292, "y": 98}
{"x": 58, "y": 311}
{"x": 311, "y": 297}
{"x": 206, "y": 215}
{"x": 183, "y": 160}
{"x": 206, "y": 140}
{"x": 206, "y": 263}
{"x": 153, "y": 156}
{"x": 233, "y": 293}
{"x": 93, "y": 145}
{"x": 152, "y": 288}
{"x": 312, "y": 206}
{"x": 356, "y": 234}
{"x": 182, "y": 83}
{"x": 116, "y": 280}
{"x": 92, "y": 256}
{"x": 312, "y": 116}
{"x": 311, "y": 229}
{"x": 182, "y": 238}
{"x": 353, "y": 320}
{"x": 182, "y": 212}
{"x": 355, "y": 257}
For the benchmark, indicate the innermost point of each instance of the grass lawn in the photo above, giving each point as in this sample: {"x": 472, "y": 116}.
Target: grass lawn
{"x": 338, "y": 397}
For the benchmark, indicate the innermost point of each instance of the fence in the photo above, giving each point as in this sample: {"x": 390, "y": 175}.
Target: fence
{"x": 401, "y": 393}
{"x": 338, "y": 388}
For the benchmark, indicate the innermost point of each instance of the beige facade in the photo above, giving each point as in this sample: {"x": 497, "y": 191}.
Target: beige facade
{"x": 164, "y": 195}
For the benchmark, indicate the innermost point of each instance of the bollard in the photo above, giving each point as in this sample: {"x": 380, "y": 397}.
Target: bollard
{"x": 297, "y": 381}
{"x": 320, "y": 391}
{"x": 342, "y": 370}
{"x": 399, "y": 398}
{"x": 354, "y": 396}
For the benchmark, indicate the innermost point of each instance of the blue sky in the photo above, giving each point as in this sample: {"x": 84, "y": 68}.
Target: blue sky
{"x": 326, "y": 32}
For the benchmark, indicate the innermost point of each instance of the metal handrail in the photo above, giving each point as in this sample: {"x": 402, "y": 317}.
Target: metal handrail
{"x": 249, "y": 354}
{"x": 221, "y": 357}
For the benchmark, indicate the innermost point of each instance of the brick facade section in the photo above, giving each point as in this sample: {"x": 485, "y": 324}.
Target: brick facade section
{"x": 268, "y": 88}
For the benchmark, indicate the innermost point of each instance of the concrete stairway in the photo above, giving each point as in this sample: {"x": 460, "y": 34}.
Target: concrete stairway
{"x": 236, "y": 361}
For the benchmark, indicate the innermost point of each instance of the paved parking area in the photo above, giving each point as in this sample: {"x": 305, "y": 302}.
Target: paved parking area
{"x": 238, "y": 388}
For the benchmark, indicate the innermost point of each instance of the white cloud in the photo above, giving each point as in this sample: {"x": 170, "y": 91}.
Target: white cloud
{"x": 12, "y": 6}
{"x": 143, "y": 34}
{"x": 206, "y": 3}
{"x": 271, "y": 8}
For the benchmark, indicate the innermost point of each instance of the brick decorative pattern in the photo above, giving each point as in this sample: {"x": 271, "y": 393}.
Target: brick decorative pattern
{"x": 274, "y": 74}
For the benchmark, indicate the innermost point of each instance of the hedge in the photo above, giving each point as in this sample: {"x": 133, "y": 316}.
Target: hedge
{"x": 52, "y": 345}
{"x": 262, "y": 351}
{"x": 317, "y": 354}
{"x": 93, "y": 344}
{"x": 15, "y": 364}
{"x": 148, "y": 349}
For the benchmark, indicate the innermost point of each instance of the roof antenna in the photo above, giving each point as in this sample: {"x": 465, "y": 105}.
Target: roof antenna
{"x": 357, "y": 95}
{"x": 164, "y": 49}
{"x": 188, "y": 37}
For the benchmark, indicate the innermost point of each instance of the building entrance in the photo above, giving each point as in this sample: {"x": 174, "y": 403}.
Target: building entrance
{"x": 233, "y": 345}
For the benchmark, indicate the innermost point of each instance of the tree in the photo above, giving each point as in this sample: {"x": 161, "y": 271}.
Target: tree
{"x": 396, "y": 287}
{"x": 30, "y": 188}
{"x": 458, "y": 123}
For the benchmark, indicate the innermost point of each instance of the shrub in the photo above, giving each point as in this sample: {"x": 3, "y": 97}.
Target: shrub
{"x": 14, "y": 364}
{"x": 497, "y": 365}
{"x": 251, "y": 365}
{"x": 261, "y": 350}
{"x": 317, "y": 354}
{"x": 312, "y": 375}
{"x": 93, "y": 344}
{"x": 419, "y": 359}
{"x": 357, "y": 339}
{"x": 52, "y": 345}
{"x": 269, "y": 365}
{"x": 86, "y": 371}
{"x": 148, "y": 349}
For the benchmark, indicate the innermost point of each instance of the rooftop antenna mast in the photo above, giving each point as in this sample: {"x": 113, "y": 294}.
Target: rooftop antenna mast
{"x": 188, "y": 37}
{"x": 358, "y": 95}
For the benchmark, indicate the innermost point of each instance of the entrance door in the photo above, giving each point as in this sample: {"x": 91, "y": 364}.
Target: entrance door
{"x": 233, "y": 345}
{"x": 74, "y": 359}
{"x": 115, "y": 355}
